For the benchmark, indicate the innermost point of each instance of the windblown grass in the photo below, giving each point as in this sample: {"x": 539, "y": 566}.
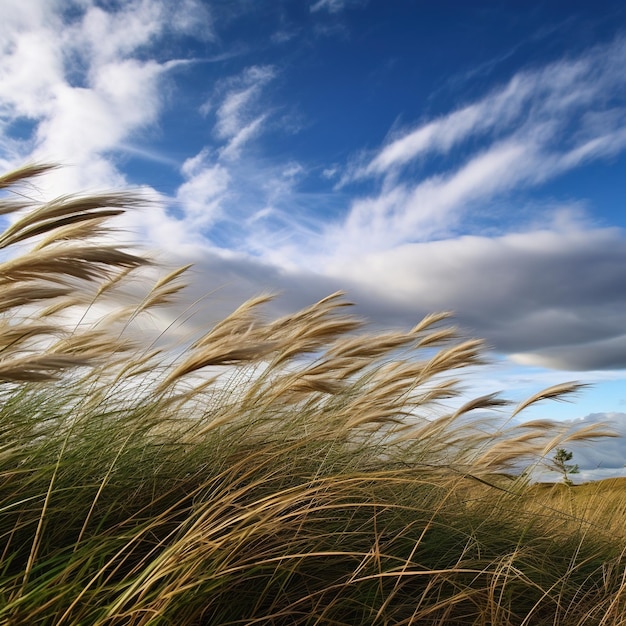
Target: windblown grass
{"x": 298, "y": 470}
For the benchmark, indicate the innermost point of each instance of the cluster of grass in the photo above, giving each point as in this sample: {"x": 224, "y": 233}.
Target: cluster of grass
{"x": 299, "y": 470}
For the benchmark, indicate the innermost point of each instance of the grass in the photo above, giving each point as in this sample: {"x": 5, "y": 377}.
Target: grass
{"x": 299, "y": 470}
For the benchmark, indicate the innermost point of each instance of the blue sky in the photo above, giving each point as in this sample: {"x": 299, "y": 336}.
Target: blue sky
{"x": 458, "y": 155}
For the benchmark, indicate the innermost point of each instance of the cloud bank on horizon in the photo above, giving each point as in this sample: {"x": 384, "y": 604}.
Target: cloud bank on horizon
{"x": 307, "y": 147}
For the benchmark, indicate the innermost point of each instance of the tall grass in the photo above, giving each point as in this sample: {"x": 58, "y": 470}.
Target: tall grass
{"x": 299, "y": 470}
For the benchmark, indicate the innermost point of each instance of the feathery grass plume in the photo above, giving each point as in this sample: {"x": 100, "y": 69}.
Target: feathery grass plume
{"x": 16, "y": 295}
{"x": 164, "y": 290}
{"x": 20, "y": 175}
{"x": 299, "y": 470}
{"x": 64, "y": 253}
{"x": 555, "y": 392}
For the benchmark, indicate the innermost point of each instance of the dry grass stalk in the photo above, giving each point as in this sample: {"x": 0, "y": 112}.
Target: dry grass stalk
{"x": 16, "y": 295}
{"x": 63, "y": 254}
{"x": 24, "y": 173}
{"x": 555, "y": 392}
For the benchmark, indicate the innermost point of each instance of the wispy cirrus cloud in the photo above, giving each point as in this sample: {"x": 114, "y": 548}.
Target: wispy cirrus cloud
{"x": 551, "y": 98}
{"x": 334, "y": 6}
{"x": 240, "y": 93}
{"x": 543, "y": 123}
{"x": 403, "y": 213}
{"x": 238, "y": 119}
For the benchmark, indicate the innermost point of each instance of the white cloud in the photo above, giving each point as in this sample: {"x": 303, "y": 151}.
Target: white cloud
{"x": 206, "y": 107}
{"x": 233, "y": 148}
{"x": 437, "y": 136}
{"x": 331, "y": 172}
{"x": 548, "y": 98}
{"x": 237, "y": 117}
{"x": 231, "y": 111}
{"x": 191, "y": 17}
{"x": 106, "y": 36}
{"x": 207, "y": 191}
{"x": 73, "y": 70}
{"x": 109, "y": 35}
{"x": 541, "y": 124}
{"x": 333, "y": 6}
{"x": 31, "y": 67}
{"x": 87, "y": 120}
{"x": 20, "y": 16}
{"x": 604, "y": 145}
{"x": 202, "y": 194}
{"x": 432, "y": 207}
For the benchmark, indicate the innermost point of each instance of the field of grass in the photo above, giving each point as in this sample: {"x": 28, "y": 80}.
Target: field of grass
{"x": 299, "y": 470}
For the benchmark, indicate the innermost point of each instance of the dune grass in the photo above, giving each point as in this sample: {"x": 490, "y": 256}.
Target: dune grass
{"x": 299, "y": 470}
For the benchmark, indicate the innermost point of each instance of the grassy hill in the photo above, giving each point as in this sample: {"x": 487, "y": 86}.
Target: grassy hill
{"x": 299, "y": 470}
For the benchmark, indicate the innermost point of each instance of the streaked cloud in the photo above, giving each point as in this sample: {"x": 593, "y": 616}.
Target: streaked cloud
{"x": 433, "y": 207}
{"x": 243, "y": 135}
{"x": 332, "y": 6}
{"x": 543, "y": 123}
{"x": 547, "y": 99}
{"x": 237, "y": 118}
{"x": 202, "y": 193}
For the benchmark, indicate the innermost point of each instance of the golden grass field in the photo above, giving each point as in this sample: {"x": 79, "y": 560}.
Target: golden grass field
{"x": 293, "y": 470}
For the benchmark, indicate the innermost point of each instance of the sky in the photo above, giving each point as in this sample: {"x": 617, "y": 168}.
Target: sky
{"x": 460, "y": 155}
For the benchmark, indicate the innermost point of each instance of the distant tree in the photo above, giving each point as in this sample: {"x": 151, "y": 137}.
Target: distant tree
{"x": 560, "y": 463}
